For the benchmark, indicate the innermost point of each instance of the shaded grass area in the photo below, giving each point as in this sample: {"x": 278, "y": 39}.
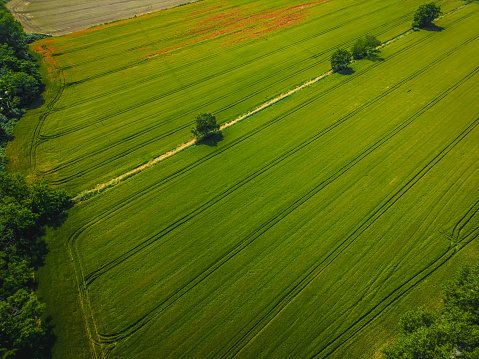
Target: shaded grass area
{"x": 127, "y": 92}
{"x": 304, "y": 232}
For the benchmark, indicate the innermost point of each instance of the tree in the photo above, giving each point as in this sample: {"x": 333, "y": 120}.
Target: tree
{"x": 340, "y": 59}
{"x": 12, "y": 34}
{"x": 14, "y": 273}
{"x": 25, "y": 208}
{"x": 22, "y": 86}
{"x": 365, "y": 47}
{"x": 452, "y": 331}
{"x": 22, "y": 335}
{"x": 425, "y": 14}
{"x": 205, "y": 125}
{"x": 358, "y": 51}
{"x": 372, "y": 43}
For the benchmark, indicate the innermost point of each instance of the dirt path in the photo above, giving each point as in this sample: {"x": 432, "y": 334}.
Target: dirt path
{"x": 103, "y": 186}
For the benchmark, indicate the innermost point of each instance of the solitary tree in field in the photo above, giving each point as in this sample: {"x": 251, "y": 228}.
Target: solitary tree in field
{"x": 340, "y": 59}
{"x": 205, "y": 125}
{"x": 425, "y": 14}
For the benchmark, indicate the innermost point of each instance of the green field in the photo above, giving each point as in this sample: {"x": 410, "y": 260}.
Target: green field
{"x": 306, "y": 231}
{"x": 113, "y": 106}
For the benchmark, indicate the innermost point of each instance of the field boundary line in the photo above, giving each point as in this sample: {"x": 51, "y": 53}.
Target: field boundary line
{"x": 99, "y": 188}
{"x": 102, "y": 187}
{"x": 104, "y": 344}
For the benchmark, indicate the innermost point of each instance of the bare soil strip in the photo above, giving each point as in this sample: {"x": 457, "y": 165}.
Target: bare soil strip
{"x": 99, "y": 188}
{"x": 103, "y": 186}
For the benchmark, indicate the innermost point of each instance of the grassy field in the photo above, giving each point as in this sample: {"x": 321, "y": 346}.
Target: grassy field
{"x": 127, "y": 92}
{"x": 305, "y": 231}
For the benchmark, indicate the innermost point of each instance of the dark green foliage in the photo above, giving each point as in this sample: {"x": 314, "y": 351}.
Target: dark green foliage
{"x": 358, "y": 51}
{"x": 417, "y": 319}
{"x": 461, "y": 295}
{"x": 447, "y": 332}
{"x": 372, "y": 42}
{"x": 205, "y": 125}
{"x": 365, "y": 47}
{"x": 20, "y": 80}
{"x": 425, "y": 14}
{"x": 3, "y": 126}
{"x": 340, "y": 59}
{"x": 24, "y": 207}
{"x": 24, "y": 210}
{"x": 22, "y": 334}
{"x": 10, "y": 63}
{"x": 15, "y": 221}
{"x": 14, "y": 273}
{"x": 12, "y": 34}
{"x": 20, "y": 85}
{"x": 35, "y": 37}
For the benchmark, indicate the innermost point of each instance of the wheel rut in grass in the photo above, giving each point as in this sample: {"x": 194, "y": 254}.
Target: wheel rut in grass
{"x": 317, "y": 269}
{"x": 133, "y": 138}
{"x": 249, "y": 332}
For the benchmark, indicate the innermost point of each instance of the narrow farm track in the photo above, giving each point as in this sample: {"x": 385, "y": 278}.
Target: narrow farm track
{"x": 134, "y": 142}
{"x": 128, "y": 150}
{"x": 106, "y": 339}
{"x": 320, "y": 95}
{"x": 317, "y": 270}
{"x": 309, "y": 226}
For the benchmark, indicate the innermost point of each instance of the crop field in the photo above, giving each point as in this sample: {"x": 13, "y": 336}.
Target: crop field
{"x": 306, "y": 230}
{"x": 57, "y": 17}
{"x": 127, "y": 92}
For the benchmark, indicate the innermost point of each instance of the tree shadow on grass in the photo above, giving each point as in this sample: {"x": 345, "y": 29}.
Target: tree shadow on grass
{"x": 346, "y": 71}
{"x": 37, "y": 102}
{"x": 211, "y": 139}
{"x": 49, "y": 339}
{"x": 433, "y": 27}
{"x": 57, "y": 221}
{"x": 374, "y": 56}
{"x": 35, "y": 244}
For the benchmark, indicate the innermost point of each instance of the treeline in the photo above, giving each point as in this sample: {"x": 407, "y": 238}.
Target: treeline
{"x": 362, "y": 48}
{"x": 449, "y": 332}
{"x": 20, "y": 80}
{"x": 25, "y": 209}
